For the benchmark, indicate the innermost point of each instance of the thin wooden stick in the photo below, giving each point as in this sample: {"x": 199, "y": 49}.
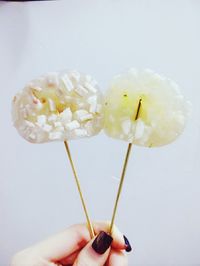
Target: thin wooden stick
{"x": 123, "y": 172}
{"x": 89, "y": 224}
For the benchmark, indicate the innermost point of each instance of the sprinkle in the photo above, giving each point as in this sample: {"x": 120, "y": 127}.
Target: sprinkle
{"x": 66, "y": 115}
{"x": 60, "y": 128}
{"x": 90, "y": 87}
{"x": 80, "y": 112}
{"x": 57, "y": 124}
{"x": 82, "y": 115}
{"x": 39, "y": 105}
{"x": 52, "y": 117}
{"x": 86, "y": 117}
{"x": 41, "y": 119}
{"x": 92, "y": 99}
{"x": 80, "y": 132}
{"x": 139, "y": 129}
{"x": 72, "y": 125}
{"x": 52, "y": 79}
{"x": 93, "y": 103}
{"x": 32, "y": 136}
{"x": 47, "y": 128}
{"x": 52, "y": 105}
{"x": 67, "y": 82}
{"x": 28, "y": 123}
{"x": 81, "y": 90}
{"x": 55, "y": 135}
{"x": 75, "y": 76}
{"x": 24, "y": 112}
{"x": 37, "y": 88}
{"x": 126, "y": 126}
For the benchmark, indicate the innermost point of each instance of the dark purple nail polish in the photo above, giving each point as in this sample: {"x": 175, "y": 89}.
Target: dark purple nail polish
{"x": 127, "y": 244}
{"x": 102, "y": 242}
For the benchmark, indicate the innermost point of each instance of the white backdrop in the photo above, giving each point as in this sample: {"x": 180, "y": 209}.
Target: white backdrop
{"x": 159, "y": 209}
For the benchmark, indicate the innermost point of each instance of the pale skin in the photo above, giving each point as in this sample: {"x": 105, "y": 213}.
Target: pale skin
{"x": 73, "y": 246}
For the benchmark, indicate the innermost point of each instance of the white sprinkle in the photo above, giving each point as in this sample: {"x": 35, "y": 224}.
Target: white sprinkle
{"x": 47, "y": 128}
{"x": 139, "y": 130}
{"x": 89, "y": 126}
{"x": 52, "y": 117}
{"x": 126, "y": 126}
{"x": 80, "y": 132}
{"x": 27, "y": 106}
{"x": 72, "y": 125}
{"x": 66, "y": 115}
{"x": 82, "y": 115}
{"x": 80, "y": 112}
{"x": 29, "y": 124}
{"x": 92, "y": 99}
{"x": 90, "y": 87}
{"x": 22, "y": 127}
{"x": 37, "y": 88}
{"x": 41, "y": 119}
{"x": 52, "y": 105}
{"x": 24, "y": 112}
{"x": 86, "y": 117}
{"x": 57, "y": 124}
{"x": 81, "y": 90}
{"x": 52, "y": 79}
{"x": 75, "y": 76}
{"x": 38, "y": 105}
{"x": 67, "y": 82}
{"x": 60, "y": 128}
{"x": 55, "y": 135}
{"x": 93, "y": 103}
{"x": 28, "y": 109}
{"x": 32, "y": 136}
{"x": 68, "y": 98}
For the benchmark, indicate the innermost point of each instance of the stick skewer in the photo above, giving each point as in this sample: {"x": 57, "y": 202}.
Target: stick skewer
{"x": 123, "y": 172}
{"x": 89, "y": 224}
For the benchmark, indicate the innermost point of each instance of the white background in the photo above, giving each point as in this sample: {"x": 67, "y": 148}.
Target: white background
{"x": 159, "y": 209}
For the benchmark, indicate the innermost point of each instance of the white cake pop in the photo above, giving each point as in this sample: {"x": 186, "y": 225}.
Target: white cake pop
{"x": 163, "y": 112}
{"x": 58, "y": 106}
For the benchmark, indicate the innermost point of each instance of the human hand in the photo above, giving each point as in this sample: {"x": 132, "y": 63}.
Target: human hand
{"x": 74, "y": 247}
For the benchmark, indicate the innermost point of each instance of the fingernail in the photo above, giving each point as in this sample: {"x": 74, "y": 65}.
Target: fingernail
{"x": 127, "y": 244}
{"x": 102, "y": 242}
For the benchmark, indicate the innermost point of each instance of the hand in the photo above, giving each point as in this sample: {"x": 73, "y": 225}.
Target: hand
{"x": 74, "y": 247}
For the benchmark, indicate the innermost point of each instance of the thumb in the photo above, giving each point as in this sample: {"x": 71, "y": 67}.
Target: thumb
{"x": 96, "y": 252}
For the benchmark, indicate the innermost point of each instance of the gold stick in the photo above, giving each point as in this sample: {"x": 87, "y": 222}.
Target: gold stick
{"x": 123, "y": 172}
{"x": 89, "y": 224}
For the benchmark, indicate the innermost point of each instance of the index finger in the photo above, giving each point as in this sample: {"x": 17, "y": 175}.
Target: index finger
{"x": 73, "y": 239}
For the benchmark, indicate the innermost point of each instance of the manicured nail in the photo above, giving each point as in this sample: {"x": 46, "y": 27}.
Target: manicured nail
{"x": 102, "y": 242}
{"x": 127, "y": 244}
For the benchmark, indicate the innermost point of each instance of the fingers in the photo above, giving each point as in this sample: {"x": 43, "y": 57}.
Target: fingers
{"x": 73, "y": 239}
{"x": 70, "y": 259}
{"x": 118, "y": 239}
{"x": 63, "y": 244}
{"x": 96, "y": 252}
{"x": 117, "y": 258}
